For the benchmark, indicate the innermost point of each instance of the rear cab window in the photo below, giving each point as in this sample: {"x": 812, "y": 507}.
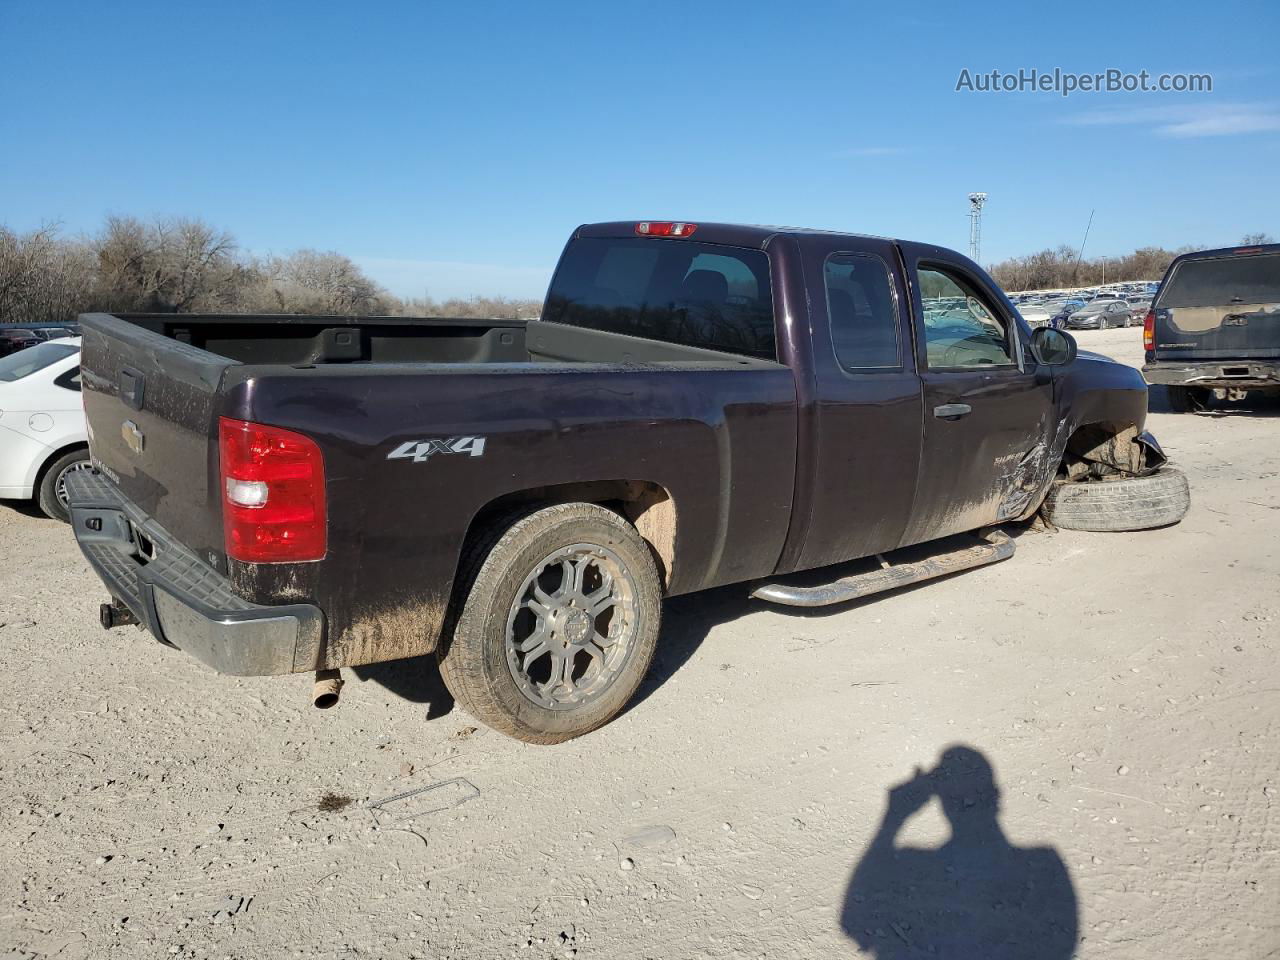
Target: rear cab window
{"x": 1223, "y": 281}
{"x": 676, "y": 291}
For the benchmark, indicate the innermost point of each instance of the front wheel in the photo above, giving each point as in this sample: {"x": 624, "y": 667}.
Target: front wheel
{"x": 559, "y": 620}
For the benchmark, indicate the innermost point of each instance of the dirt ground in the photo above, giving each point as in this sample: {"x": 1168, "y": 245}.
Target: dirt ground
{"x": 1122, "y": 688}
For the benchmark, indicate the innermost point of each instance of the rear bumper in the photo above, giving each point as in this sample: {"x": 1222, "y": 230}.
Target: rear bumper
{"x": 183, "y": 601}
{"x": 1244, "y": 374}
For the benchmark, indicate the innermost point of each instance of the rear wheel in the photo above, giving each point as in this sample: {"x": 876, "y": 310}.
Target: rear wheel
{"x": 1120, "y": 503}
{"x": 52, "y": 494}
{"x": 559, "y": 620}
{"x": 1188, "y": 399}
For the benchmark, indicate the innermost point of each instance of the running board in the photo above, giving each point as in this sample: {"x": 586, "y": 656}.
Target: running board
{"x": 996, "y": 546}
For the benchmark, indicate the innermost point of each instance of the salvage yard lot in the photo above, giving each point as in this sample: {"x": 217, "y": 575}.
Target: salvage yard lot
{"x": 1122, "y": 686}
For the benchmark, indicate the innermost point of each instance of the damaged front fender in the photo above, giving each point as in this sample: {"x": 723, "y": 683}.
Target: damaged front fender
{"x": 1154, "y": 456}
{"x": 1096, "y": 451}
{"x": 1091, "y": 452}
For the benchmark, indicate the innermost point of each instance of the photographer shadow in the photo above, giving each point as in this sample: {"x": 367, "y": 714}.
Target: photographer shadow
{"x": 976, "y": 897}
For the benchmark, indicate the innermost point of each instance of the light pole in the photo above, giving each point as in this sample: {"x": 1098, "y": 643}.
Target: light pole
{"x": 976, "y": 200}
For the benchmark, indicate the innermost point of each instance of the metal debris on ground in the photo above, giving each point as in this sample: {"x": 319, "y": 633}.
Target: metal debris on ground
{"x": 430, "y": 799}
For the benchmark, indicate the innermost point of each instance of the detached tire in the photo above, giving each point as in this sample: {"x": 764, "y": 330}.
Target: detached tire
{"x": 559, "y": 618}
{"x": 1120, "y": 503}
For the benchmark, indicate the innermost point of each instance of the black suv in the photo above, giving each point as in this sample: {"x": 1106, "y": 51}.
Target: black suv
{"x": 1213, "y": 330}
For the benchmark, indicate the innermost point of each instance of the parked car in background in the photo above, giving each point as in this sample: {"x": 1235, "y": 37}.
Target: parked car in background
{"x": 1099, "y": 315}
{"x": 19, "y": 336}
{"x": 13, "y": 339}
{"x": 1063, "y": 309}
{"x": 1036, "y": 316}
{"x": 42, "y": 429}
{"x": 1138, "y": 307}
{"x": 1213, "y": 330}
{"x": 56, "y": 333}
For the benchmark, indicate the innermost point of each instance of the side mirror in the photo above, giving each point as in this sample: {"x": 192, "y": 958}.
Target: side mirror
{"x": 1052, "y": 348}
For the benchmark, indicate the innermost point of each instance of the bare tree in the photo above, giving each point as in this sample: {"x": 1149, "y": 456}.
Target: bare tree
{"x": 43, "y": 279}
{"x": 172, "y": 265}
{"x": 1255, "y": 239}
{"x": 198, "y": 263}
{"x": 1050, "y": 269}
{"x": 490, "y": 307}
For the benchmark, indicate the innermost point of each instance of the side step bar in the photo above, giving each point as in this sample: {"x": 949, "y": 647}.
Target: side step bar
{"x": 996, "y": 546}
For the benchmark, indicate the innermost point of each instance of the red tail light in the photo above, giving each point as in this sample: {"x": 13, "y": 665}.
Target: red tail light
{"x": 273, "y": 504}
{"x": 1149, "y": 331}
{"x": 653, "y": 228}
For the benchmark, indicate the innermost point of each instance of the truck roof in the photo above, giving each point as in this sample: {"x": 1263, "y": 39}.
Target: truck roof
{"x": 733, "y": 234}
{"x": 1247, "y": 249}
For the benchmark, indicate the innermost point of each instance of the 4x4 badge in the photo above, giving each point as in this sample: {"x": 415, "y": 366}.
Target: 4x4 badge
{"x": 420, "y": 450}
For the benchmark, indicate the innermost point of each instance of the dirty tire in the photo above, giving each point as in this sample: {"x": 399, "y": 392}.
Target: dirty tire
{"x": 47, "y": 493}
{"x": 1188, "y": 399}
{"x": 473, "y": 656}
{"x": 1120, "y": 503}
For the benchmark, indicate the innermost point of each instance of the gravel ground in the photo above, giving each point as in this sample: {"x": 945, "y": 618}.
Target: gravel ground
{"x": 1122, "y": 689}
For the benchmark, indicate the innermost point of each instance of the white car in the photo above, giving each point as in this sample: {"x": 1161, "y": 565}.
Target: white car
{"x": 1036, "y": 316}
{"x": 42, "y": 429}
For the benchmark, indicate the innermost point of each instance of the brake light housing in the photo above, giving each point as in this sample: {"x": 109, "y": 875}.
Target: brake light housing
{"x": 273, "y": 496}
{"x": 664, "y": 228}
{"x": 1149, "y": 330}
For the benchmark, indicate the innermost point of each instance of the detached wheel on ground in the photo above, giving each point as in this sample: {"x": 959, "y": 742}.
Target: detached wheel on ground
{"x": 52, "y": 493}
{"x": 559, "y": 618}
{"x": 1188, "y": 399}
{"x": 1119, "y": 503}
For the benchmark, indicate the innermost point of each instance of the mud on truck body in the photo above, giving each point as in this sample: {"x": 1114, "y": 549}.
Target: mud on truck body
{"x": 697, "y": 405}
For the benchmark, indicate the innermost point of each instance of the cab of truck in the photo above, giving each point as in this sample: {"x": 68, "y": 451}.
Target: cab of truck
{"x": 1213, "y": 330}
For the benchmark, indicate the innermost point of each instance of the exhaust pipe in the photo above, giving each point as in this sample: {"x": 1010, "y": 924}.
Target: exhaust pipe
{"x": 327, "y": 689}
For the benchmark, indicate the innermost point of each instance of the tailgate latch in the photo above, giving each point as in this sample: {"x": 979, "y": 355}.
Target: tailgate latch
{"x": 132, "y": 388}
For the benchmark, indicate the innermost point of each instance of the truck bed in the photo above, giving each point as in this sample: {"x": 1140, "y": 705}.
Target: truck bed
{"x": 556, "y": 405}
{"x": 315, "y": 341}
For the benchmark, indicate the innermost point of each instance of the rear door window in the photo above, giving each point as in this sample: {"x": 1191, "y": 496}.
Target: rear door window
{"x": 862, "y": 311}
{"x": 677, "y": 291}
{"x": 1223, "y": 281}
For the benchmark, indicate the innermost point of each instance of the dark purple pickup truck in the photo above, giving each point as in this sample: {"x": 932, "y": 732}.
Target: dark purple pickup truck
{"x": 697, "y": 405}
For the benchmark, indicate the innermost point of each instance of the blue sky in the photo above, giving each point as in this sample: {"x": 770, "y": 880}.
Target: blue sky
{"x": 450, "y": 147}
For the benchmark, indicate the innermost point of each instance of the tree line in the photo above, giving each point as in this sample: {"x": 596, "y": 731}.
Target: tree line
{"x": 1063, "y": 268}
{"x": 185, "y": 265}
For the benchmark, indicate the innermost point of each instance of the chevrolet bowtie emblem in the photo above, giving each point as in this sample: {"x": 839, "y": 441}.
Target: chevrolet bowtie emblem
{"x": 132, "y": 436}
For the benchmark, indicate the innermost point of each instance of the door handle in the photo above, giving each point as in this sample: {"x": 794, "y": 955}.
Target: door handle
{"x": 950, "y": 411}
